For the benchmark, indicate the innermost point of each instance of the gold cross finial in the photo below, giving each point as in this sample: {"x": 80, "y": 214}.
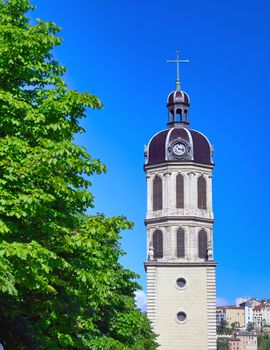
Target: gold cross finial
{"x": 178, "y": 61}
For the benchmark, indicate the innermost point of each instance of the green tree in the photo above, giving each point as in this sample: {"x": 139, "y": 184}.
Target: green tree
{"x": 264, "y": 342}
{"x": 61, "y": 283}
{"x": 250, "y": 326}
{"x": 222, "y": 343}
{"x": 234, "y": 327}
{"x": 223, "y": 328}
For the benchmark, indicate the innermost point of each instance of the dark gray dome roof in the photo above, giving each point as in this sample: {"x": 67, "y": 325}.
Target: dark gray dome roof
{"x": 195, "y": 147}
{"x": 178, "y": 97}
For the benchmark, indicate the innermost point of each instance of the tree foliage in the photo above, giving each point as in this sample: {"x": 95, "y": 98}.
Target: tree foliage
{"x": 250, "y": 327}
{"x": 222, "y": 343}
{"x": 61, "y": 283}
{"x": 223, "y": 328}
{"x": 264, "y": 341}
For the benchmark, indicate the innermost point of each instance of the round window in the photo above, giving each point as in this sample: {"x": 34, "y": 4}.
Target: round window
{"x": 181, "y": 316}
{"x": 181, "y": 283}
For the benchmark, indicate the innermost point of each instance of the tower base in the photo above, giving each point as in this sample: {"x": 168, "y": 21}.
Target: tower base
{"x": 183, "y": 316}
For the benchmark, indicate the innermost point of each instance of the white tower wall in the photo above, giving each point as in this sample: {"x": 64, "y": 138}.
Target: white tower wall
{"x": 164, "y": 298}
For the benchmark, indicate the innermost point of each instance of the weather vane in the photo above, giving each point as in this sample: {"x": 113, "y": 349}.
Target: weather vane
{"x": 178, "y": 61}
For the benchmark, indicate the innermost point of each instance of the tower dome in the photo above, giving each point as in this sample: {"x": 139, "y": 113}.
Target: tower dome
{"x": 178, "y": 103}
{"x": 179, "y": 144}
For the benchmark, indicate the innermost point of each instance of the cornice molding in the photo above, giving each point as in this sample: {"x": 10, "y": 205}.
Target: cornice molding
{"x": 172, "y": 163}
{"x": 154, "y": 263}
{"x": 177, "y": 218}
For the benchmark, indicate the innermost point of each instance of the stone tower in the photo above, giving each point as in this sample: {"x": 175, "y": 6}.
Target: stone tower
{"x": 181, "y": 291}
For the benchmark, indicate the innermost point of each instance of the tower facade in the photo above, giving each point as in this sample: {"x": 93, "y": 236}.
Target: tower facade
{"x": 181, "y": 291}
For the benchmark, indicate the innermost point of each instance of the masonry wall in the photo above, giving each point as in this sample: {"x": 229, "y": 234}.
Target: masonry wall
{"x": 197, "y": 300}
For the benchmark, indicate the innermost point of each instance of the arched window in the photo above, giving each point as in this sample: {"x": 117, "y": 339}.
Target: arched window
{"x": 202, "y": 244}
{"x": 201, "y": 192}
{"x": 158, "y": 244}
{"x": 157, "y": 193}
{"x": 179, "y": 191}
{"x": 180, "y": 243}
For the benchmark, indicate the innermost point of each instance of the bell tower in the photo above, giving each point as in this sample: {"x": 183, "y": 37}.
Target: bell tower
{"x": 181, "y": 290}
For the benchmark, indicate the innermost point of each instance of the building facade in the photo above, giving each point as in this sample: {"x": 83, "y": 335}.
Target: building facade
{"x": 261, "y": 316}
{"x": 257, "y": 312}
{"x": 248, "y": 341}
{"x": 265, "y": 312}
{"x": 248, "y": 314}
{"x": 234, "y": 344}
{"x": 220, "y": 316}
{"x": 241, "y": 300}
{"x": 181, "y": 298}
{"x": 232, "y": 315}
{"x": 243, "y": 341}
{"x": 239, "y": 341}
{"x": 251, "y": 311}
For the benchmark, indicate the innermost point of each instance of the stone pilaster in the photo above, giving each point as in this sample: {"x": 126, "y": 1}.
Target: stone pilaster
{"x": 151, "y": 295}
{"x": 211, "y": 308}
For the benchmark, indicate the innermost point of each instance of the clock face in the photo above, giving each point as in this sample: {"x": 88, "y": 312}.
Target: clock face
{"x": 179, "y": 149}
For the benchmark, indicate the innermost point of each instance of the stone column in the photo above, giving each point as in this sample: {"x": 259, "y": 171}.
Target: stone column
{"x": 209, "y": 193}
{"x": 166, "y": 192}
{"x": 192, "y": 190}
{"x": 167, "y": 241}
{"x": 192, "y": 242}
{"x": 186, "y": 191}
{"x": 187, "y": 241}
{"x": 212, "y": 240}
{"x": 172, "y": 192}
{"x": 173, "y": 241}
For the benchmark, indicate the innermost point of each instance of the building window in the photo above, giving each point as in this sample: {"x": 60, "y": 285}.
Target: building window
{"x": 158, "y": 244}
{"x": 179, "y": 191}
{"x": 181, "y": 283}
{"x": 201, "y": 192}
{"x": 181, "y": 317}
{"x": 180, "y": 243}
{"x": 157, "y": 193}
{"x": 202, "y": 244}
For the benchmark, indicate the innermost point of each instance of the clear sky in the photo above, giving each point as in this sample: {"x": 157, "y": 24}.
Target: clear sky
{"x": 118, "y": 50}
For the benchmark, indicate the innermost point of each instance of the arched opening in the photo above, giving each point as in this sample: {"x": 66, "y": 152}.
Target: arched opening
{"x": 158, "y": 244}
{"x": 186, "y": 116}
{"x": 180, "y": 243}
{"x": 179, "y": 191}
{"x": 157, "y": 193}
{"x": 178, "y": 115}
{"x": 202, "y": 245}
{"x": 201, "y": 186}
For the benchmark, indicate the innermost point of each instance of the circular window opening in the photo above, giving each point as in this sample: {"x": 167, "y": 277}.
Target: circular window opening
{"x": 181, "y": 283}
{"x": 181, "y": 316}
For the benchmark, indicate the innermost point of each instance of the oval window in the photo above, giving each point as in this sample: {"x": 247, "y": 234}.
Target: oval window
{"x": 181, "y": 316}
{"x": 181, "y": 283}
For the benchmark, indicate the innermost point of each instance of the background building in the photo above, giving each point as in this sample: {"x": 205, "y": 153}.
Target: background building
{"x": 243, "y": 341}
{"x": 231, "y": 314}
{"x": 241, "y": 300}
{"x": 254, "y": 311}
{"x": 220, "y": 315}
{"x": 248, "y": 341}
{"x": 234, "y": 344}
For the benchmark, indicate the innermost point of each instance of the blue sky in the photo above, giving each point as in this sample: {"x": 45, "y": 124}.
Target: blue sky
{"x": 118, "y": 50}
